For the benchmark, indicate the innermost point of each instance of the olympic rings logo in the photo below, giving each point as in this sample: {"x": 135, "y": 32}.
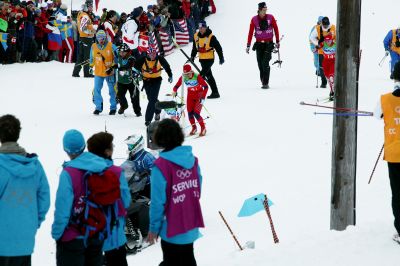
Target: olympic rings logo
{"x": 184, "y": 173}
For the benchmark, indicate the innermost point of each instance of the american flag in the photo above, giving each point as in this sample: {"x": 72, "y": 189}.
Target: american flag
{"x": 181, "y": 31}
{"x": 153, "y": 42}
{"x": 166, "y": 41}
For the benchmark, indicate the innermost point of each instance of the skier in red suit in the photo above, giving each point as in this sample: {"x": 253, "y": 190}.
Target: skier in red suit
{"x": 197, "y": 91}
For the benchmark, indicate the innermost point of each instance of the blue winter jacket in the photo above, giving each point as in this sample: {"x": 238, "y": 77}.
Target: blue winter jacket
{"x": 183, "y": 156}
{"x": 117, "y": 237}
{"x": 65, "y": 195}
{"x": 387, "y": 42}
{"x": 24, "y": 202}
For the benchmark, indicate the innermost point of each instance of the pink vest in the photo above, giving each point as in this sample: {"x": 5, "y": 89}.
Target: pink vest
{"x": 182, "y": 207}
{"x": 266, "y": 34}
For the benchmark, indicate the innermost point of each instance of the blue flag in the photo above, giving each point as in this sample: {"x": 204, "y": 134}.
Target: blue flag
{"x": 3, "y": 40}
{"x": 253, "y": 205}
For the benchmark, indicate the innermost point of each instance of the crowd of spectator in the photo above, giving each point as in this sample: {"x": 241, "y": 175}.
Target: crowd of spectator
{"x": 36, "y": 32}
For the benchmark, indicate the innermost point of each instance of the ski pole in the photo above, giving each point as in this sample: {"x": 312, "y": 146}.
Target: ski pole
{"x": 343, "y": 114}
{"x": 230, "y": 230}
{"x": 337, "y": 108}
{"x": 205, "y": 118}
{"x": 383, "y": 59}
{"x": 266, "y": 207}
{"x": 84, "y": 63}
{"x": 376, "y": 163}
{"x": 186, "y": 55}
{"x": 203, "y": 106}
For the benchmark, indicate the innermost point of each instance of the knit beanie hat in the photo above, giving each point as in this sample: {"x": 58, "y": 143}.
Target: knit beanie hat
{"x": 262, "y": 5}
{"x": 187, "y": 68}
{"x": 73, "y": 142}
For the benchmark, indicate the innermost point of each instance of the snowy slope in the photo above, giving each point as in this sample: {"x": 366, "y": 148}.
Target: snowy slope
{"x": 259, "y": 141}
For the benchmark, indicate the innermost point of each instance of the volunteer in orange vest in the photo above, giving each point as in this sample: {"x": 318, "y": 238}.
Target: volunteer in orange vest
{"x": 103, "y": 57}
{"x": 86, "y": 31}
{"x": 389, "y": 109}
{"x": 392, "y": 46}
{"x": 151, "y": 68}
{"x": 317, "y": 39}
{"x": 205, "y": 43}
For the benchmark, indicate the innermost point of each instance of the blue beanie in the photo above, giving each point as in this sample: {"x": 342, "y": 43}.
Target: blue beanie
{"x": 320, "y": 19}
{"x": 101, "y": 34}
{"x": 202, "y": 24}
{"x": 73, "y": 142}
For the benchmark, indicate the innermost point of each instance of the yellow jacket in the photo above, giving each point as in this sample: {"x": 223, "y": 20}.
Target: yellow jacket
{"x": 102, "y": 59}
{"x": 203, "y": 46}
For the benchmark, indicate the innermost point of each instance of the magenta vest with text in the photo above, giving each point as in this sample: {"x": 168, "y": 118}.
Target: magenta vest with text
{"x": 182, "y": 208}
{"x": 266, "y": 34}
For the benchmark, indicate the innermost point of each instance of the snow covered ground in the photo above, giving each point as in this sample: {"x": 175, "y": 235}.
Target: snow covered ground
{"x": 258, "y": 141}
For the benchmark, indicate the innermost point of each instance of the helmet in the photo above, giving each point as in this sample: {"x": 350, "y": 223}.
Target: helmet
{"x": 135, "y": 143}
{"x": 124, "y": 48}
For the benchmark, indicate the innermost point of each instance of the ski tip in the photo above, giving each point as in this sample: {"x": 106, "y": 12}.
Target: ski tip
{"x": 302, "y": 103}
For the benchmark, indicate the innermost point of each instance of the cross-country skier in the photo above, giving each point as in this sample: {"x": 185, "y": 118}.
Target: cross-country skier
{"x": 263, "y": 26}
{"x": 197, "y": 90}
{"x": 392, "y": 47}
{"x": 317, "y": 38}
{"x": 328, "y": 64}
{"x": 127, "y": 80}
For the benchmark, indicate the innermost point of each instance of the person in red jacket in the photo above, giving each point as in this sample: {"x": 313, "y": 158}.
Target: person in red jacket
{"x": 263, "y": 26}
{"x": 197, "y": 91}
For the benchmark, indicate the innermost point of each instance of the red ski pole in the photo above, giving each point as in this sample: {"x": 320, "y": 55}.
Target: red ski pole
{"x": 266, "y": 207}
{"x": 343, "y": 109}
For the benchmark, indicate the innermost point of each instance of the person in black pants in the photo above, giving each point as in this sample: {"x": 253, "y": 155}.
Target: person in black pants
{"x": 177, "y": 254}
{"x": 86, "y": 31}
{"x": 128, "y": 80}
{"x": 150, "y": 66}
{"x": 205, "y": 43}
{"x": 388, "y": 110}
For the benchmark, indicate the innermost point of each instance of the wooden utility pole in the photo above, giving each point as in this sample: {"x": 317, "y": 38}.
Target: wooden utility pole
{"x": 344, "y": 144}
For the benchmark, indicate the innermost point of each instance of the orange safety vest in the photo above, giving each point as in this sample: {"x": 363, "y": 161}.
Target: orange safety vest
{"x": 102, "y": 59}
{"x": 85, "y": 25}
{"x": 391, "y": 116}
{"x": 151, "y": 69}
{"x": 203, "y": 46}
{"x": 393, "y": 45}
{"x": 331, "y": 30}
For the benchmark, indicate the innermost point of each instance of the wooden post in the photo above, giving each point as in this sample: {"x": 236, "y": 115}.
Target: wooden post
{"x": 344, "y": 142}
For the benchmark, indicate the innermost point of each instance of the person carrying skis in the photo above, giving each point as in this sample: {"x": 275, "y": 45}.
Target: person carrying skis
{"x": 150, "y": 66}
{"x": 317, "y": 38}
{"x": 128, "y": 80}
{"x": 388, "y": 109}
{"x": 313, "y": 50}
{"x": 197, "y": 90}
{"x": 176, "y": 188}
{"x": 103, "y": 57}
{"x": 392, "y": 47}
{"x": 205, "y": 43}
{"x": 263, "y": 26}
{"x": 328, "y": 64}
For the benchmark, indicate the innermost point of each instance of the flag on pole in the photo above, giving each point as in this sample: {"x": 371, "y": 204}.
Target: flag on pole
{"x": 3, "y": 25}
{"x": 3, "y": 40}
{"x": 143, "y": 43}
{"x": 253, "y": 205}
{"x": 96, "y": 3}
{"x": 153, "y": 42}
{"x": 166, "y": 41}
{"x": 181, "y": 31}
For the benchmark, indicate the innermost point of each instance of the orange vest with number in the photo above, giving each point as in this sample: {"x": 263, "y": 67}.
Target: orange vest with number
{"x": 393, "y": 46}
{"x": 151, "y": 69}
{"x": 102, "y": 59}
{"x": 391, "y": 116}
{"x": 203, "y": 46}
